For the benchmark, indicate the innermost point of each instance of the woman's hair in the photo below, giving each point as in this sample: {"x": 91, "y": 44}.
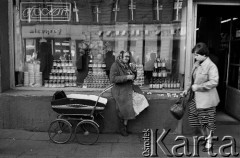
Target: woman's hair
{"x": 201, "y": 48}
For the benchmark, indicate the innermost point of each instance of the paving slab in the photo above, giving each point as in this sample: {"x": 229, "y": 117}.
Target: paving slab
{"x": 108, "y": 138}
{"x": 15, "y": 134}
{"x": 126, "y": 150}
{"x": 39, "y": 136}
{"x": 26, "y": 144}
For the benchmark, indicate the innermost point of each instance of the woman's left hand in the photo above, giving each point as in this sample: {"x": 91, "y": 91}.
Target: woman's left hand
{"x": 132, "y": 65}
{"x": 194, "y": 87}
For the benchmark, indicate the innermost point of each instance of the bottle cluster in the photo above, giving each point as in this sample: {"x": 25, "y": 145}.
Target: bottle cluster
{"x": 159, "y": 69}
{"x": 62, "y": 75}
{"x": 140, "y": 75}
{"x": 161, "y": 83}
{"x": 160, "y": 79}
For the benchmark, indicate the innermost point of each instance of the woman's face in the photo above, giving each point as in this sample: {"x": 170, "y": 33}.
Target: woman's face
{"x": 199, "y": 57}
{"x": 126, "y": 57}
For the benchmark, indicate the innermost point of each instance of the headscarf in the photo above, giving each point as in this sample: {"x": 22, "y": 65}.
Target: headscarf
{"x": 123, "y": 65}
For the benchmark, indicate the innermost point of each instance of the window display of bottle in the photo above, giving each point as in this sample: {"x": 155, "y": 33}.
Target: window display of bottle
{"x": 151, "y": 84}
{"x": 155, "y": 64}
{"x": 164, "y": 69}
{"x": 178, "y": 84}
{"x": 154, "y": 74}
{"x": 161, "y": 84}
{"x": 159, "y": 64}
{"x": 160, "y": 72}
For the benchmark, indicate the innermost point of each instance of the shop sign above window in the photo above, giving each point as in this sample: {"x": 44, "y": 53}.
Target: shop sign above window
{"x": 45, "y": 11}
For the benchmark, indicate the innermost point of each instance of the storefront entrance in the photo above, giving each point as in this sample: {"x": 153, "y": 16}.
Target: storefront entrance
{"x": 219, "y": 27}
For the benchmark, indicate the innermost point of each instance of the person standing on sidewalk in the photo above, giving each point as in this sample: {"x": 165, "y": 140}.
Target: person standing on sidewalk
{"x": 129, "y": 98}
{"x": 202, "y": 108}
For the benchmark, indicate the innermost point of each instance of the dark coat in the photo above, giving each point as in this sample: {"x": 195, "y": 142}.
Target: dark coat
{"x": 122, "y": 91}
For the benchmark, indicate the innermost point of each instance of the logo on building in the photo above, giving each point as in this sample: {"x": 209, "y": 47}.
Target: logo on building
{"x": 45, "y": 11}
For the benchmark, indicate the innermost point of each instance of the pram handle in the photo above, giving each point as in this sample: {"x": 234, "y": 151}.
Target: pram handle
{"x": 106, "y": 89}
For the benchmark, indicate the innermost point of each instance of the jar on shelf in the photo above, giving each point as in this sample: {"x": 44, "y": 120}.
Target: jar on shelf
{"x": 46, "y": 83}
{"x": 74, "y": 77}
{"x": 54, "y": 63}
{"x": 70, "y": 63}
{"x": 50, "y": 76}
{"x": 70, "y": 77}
{"x": 50, "y": 84}
{"x": 74, "y": 84}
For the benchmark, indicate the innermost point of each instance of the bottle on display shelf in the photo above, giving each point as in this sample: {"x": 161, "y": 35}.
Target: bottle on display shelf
{"x": 150, "y": 84}
{"x": 153, "y": 83}
{"x": 172, "y": 84}
{"x": 155, "y": 74}
{"x": 164, "y": 63}
{"x": 156, "y": 84}
{"x": 161, "y": 84}
{"x": 159, "y": 64}
{"x": 155, "y": 64}
{"x": 164, "y": 72}
{"x": 178, "y": 84}
{"x": 160, "y": 72}
{"x": 168, "y": 84}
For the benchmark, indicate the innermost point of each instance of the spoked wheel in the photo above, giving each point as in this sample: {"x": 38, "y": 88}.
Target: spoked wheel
{"x": 87, "y": 132}
{"x": 60, "y": 131}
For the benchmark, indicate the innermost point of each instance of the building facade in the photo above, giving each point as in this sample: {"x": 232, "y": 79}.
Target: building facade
{"x": 70, "y": 45}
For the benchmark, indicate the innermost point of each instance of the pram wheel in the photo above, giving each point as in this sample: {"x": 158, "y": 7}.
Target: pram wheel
{"x": 87, "y": 132}
{"x": 60, "y": 131}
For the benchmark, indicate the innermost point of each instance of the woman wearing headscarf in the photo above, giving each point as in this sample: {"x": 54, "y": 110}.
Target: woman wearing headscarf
{"x": 202, "y": 107}
{"x": 129, "y": 98}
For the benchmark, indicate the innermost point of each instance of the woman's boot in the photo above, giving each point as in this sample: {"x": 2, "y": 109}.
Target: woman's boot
{"x": 123, "y": 128}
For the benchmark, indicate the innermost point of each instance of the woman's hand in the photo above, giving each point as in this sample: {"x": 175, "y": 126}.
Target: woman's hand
{"x": 130, "y": 77}
{"x": 184, "y": 93}
{"x": 132, "y": 65}
{"x": 194, "y": 87}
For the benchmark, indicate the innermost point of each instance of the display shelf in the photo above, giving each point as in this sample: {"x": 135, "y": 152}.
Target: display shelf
{"x": 62, "y": 75}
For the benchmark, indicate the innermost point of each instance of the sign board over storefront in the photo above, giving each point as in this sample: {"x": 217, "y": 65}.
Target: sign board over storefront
{"x": 45, "y": 11}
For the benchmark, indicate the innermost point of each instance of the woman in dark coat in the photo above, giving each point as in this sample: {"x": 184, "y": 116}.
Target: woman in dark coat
{"x": 129, "y": 98}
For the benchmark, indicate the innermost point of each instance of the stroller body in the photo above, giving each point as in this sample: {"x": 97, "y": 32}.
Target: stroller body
{"x": 80, "y": 108}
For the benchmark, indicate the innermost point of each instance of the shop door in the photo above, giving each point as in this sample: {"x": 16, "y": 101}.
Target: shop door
{"x": 217, "y": 26}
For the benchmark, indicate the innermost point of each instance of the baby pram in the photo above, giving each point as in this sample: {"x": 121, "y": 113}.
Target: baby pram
{"x": 76, "y": 107}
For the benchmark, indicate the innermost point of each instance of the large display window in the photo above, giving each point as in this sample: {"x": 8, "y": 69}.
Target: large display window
{"x": 74, "y": 43}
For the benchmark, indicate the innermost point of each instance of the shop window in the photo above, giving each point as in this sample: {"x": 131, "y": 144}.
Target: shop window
{"x": 79, "y": 53}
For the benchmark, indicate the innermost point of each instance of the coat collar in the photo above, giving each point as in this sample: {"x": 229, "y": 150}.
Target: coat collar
{"x": 205, "y": 62}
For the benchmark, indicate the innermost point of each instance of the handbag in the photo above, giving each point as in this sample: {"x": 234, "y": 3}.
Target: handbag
{"x": 178, "y": 109}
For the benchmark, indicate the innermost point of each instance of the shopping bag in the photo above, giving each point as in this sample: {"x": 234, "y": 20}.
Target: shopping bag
{"x": 178, "y": 109}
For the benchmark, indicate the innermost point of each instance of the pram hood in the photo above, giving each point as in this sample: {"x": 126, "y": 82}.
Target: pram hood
{"x": 88, "y": 97}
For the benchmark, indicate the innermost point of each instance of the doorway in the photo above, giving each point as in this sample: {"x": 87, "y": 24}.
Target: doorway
{"x": 217, "y": 26}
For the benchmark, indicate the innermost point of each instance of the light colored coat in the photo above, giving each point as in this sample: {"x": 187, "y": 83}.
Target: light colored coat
{"x": 206, "y": 78}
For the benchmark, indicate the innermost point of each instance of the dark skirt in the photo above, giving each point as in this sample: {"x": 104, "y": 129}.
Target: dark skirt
{"x": 202, "y": 117}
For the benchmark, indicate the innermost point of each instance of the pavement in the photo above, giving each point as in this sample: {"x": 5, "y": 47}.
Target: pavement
{"x": 27, "y": 144}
